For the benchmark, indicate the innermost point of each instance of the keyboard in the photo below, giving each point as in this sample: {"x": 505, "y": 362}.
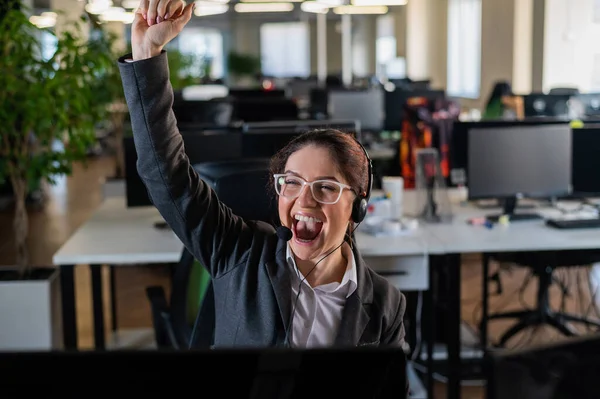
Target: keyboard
{"x": 588, "y": 223}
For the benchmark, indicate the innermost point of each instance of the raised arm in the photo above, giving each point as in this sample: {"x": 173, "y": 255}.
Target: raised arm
{"x": 214, "y": 235}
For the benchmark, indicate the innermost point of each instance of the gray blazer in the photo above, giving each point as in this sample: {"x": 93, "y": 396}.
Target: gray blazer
{"x": 246, "y": 259}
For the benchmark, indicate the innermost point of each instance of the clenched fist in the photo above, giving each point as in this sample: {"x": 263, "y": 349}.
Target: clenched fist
{"x": 156, "y": 23}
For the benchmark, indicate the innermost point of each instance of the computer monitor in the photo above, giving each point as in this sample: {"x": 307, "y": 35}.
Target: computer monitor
{"x": 459, "y": 142}
{"x": 516, "y": 162}
{"x": 590, "y": 103}
{"x": 349, "y": 126}
{"x": 375, "y": 373}
{"x": 541, "y": 105}
{"x": 199, "y": 147}
{"x": 586, "y": 162}
{"x": 559, "y": 370}
{"x": 364, "y": 106}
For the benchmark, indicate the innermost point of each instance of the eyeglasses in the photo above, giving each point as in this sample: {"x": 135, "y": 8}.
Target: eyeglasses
{"x": 323, "y": 191}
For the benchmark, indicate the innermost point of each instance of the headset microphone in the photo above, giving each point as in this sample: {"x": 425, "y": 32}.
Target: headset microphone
{"x": 284, "y": 233}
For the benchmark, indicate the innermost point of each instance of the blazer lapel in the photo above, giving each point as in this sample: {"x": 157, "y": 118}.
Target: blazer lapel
{"x": 354, "y": 321}
{"x": 281, "y": 282}
{"x": 357, "y": 312}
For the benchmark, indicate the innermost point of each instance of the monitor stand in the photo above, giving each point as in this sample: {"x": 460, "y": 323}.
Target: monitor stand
{"x": 509, "y": 206}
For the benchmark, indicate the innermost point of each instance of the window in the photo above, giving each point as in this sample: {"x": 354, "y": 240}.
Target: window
{"x": 464, "y": 48}
{"x": 285, "y": 49}
{"x": 385, "y": 44}
{"x": 207, "y": 44}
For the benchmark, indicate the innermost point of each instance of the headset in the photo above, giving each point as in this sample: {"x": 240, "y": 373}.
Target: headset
{"x": 361, "y": 203}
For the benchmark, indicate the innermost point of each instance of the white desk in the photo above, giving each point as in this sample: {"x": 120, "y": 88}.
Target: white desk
{"x": 117, "y": 235}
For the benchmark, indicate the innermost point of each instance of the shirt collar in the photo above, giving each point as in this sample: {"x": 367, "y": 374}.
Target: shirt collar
{"x": 350, "y": 276}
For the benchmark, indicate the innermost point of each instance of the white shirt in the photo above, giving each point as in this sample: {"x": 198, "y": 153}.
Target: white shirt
{"x": 318, "y": 310}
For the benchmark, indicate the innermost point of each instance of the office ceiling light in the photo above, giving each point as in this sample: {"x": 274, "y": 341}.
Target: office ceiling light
{"x": 98, "y": 7}
{"x": 205, "y": 8}
{"x": 45, "y": 20}
{"x": 271, "y": 1}
{"x": 130, "y": 4}
{"x": 332, "y": 3}
{"x": 117, "y": 14}
{"x": 314, "y": 7}
{"x": 264, "y": 7}
{"x": 379, "y": 2}
{"x": 360, "y": 10}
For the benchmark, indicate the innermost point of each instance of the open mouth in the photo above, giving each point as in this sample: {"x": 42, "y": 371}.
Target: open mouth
{"x": 306, "y": 228}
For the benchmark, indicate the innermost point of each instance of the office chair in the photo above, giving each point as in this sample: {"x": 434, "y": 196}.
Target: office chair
{"x": 234, "y": 182}
{"x": 191, "y": 291}
{"x": 543, "y": 265}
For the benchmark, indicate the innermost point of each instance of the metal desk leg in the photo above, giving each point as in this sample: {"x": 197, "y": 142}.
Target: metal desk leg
{"x": 113, "y": 298}
{"x": 453, "y": 324}
{"x": 69, "y": 314}
{"x": 98, "y": 306}
{"x": 430, "y": 311}
{"x": 485, "y": 303}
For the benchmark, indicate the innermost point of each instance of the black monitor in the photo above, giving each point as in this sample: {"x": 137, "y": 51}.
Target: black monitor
{"x": 217, "y": 112}
{"x": 374, "y": 373}
{"x": 348, "y": 126}
{"x": 199, "y": 147}
{"x": 264, "y": 109}
{"x": 459, "y": 143}
{"x": 517, "y": 162}
{"x": 590, "y": 104}
{"x": 266, "y": 143}
{"x": 364, "y": 106}
{"x": 541, "y": 105}
{"x": 565, "y": 370}
{"x": 586, "y": 162}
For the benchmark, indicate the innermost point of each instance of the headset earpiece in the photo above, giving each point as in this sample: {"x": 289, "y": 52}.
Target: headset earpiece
{"x": 361, "y": 203}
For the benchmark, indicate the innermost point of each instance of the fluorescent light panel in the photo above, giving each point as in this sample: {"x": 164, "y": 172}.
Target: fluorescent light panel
{"x": 205, "y": 8}
{"x": 272, "y": 1}
{"x": 314, "y": 7}
{"x": 379, "y": 2}
{"x": 263, "y": 7}
{"x": 362, "y": 10}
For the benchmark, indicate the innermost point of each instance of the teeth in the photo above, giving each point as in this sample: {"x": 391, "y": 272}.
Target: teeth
{"x": 303, "y": 218}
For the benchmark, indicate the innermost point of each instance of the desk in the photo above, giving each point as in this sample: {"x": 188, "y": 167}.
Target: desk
{"x": 114, "y": 235}
{"x": 117, "y": 235}
{"x": 458, "y": 237}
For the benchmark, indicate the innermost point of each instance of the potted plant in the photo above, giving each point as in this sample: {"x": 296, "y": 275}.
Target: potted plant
{"x": 243, "y": 68}
{"x": 48, "y": 115}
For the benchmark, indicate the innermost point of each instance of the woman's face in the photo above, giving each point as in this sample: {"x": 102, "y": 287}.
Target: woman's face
{"x": 317, "y": 228}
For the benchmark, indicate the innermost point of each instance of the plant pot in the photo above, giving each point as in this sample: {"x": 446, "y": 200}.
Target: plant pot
{"x": 30, "y": 310}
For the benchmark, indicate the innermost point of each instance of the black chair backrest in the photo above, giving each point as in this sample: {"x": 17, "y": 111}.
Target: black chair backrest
{"x": 242, "y": 185}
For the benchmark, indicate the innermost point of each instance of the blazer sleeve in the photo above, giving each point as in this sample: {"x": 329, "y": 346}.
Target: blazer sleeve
{"x": 209, "y": 230}
{"x": 396, "y": 333}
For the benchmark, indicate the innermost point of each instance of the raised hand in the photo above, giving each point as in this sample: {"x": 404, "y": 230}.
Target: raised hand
{"x": 156, "y": 23}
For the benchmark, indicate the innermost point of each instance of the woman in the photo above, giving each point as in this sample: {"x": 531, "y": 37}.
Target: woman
{"x": 302, "y": 285}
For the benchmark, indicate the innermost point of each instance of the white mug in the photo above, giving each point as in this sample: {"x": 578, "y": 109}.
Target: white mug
{"x": 393, "y": 188}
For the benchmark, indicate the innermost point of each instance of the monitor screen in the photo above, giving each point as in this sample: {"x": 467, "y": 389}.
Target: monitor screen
{"x": 365, "y": 106}
{"x": 199, "y": 147}
{"x": 586, "y": 162}
{"x": 513, "y": 162}
{"x": 559, "y": 370}
{"x": 377, "y": 373}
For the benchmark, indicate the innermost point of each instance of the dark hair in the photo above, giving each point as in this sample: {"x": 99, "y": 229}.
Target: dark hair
{"x": 501, "y": 88}
{"x": 346, "y": 152}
